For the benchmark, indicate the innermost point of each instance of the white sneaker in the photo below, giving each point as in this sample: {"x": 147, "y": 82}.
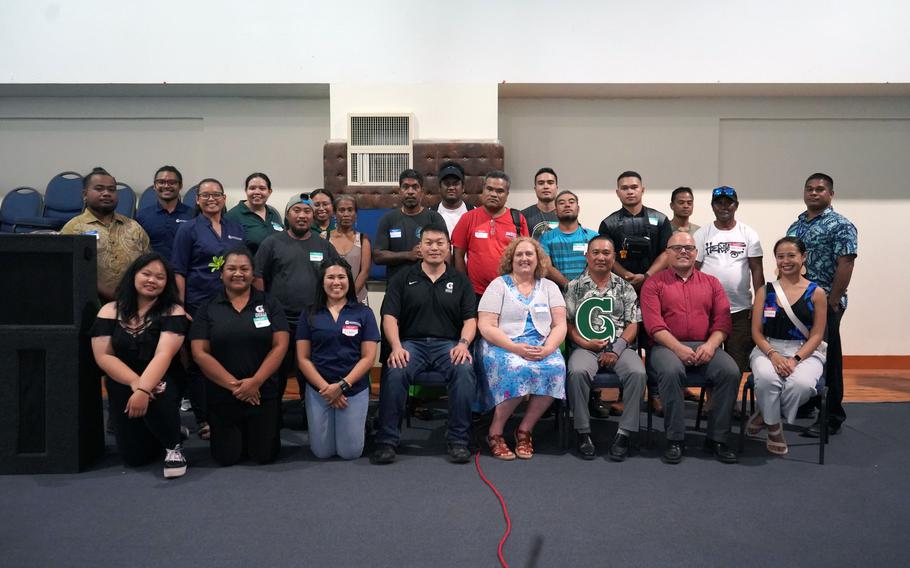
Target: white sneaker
{"x": 174, "y": 463}
{"x": 185, "y": 405}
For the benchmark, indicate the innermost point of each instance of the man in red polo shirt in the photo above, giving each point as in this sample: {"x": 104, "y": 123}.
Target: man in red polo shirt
{"x": 483, "y": 233}
{"x": 687, "y": 314}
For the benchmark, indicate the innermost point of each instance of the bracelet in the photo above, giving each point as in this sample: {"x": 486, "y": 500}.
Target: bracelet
{"x": 140, "y": 389}
{"x": 770, "y": 351}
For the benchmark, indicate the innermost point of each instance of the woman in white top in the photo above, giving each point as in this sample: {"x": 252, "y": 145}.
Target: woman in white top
{"x": 522, "y": 318}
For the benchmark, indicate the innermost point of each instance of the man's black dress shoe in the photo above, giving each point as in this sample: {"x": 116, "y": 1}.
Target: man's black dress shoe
{"x": 586, "y": 447}
{"x": 721, "y": 451}
{"x": 619, "y": 449}
{"x": 674, "y": 452}
{"x": 815, "y": 431}
{"x": 458, "y": 453}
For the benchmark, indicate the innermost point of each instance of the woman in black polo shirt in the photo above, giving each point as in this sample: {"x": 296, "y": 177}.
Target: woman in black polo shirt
{"x": 336, "y": 347}
{"x": 239, "y": 338}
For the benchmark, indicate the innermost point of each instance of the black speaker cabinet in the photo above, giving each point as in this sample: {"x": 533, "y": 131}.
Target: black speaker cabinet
{"x": 51, "y": 418}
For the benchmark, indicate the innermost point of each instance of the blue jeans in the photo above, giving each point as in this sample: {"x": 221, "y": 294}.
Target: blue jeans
{"x": 429, "y": 354}
{"x": 336, "y": 432}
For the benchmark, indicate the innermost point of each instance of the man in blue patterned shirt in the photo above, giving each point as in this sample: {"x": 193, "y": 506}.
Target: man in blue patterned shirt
{"x": 832, "y": 246}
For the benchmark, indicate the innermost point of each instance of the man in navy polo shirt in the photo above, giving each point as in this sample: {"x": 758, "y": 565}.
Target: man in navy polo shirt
{"x": 429, "y": 317}
{"x": 161, "y": 219}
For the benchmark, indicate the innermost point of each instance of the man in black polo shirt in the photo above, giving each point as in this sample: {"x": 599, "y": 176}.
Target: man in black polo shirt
{"x": 398, "y": 232}
{"x": 429, "y": 317}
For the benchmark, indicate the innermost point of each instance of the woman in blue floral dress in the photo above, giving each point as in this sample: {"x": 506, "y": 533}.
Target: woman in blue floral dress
{"x": 522, "y": 319}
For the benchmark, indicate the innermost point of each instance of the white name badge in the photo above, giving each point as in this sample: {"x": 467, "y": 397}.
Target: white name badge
{"x": 541, "y": 309}
{"x": 315, "y": 256}
{"x": 553, "y": 224}
{"x": 93, "y": 234}
{"x": 771, "y": 312}
{"x": 580, "y": 247}
{"x": 394, "y": 233}
{"x": 481, "y": 235}
{"x": 652, "y": 220}
{"x": 277, "y": 227}
{"x": 350, "y": 330}
{"x": 260, "y": 318}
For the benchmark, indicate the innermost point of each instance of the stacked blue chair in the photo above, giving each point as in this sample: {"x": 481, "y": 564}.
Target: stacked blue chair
{"x": 189, "y": 198}
{"x": 19, "y": 206}
{"x": 62, "y": 200}
{"x": 148, "y": 198}
{"x": 367, "y": 222}
{"x": 126, "y": 200}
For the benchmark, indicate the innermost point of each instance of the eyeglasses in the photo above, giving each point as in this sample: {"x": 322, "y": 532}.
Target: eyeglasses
{"x": 210, "y": 196}
{"x": 679, "y": 248}
{"x": 167, "y": 182}
{"x": 725, "y": 191}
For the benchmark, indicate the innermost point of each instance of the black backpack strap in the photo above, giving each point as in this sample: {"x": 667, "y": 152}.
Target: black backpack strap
{"x": 516, "y": 220}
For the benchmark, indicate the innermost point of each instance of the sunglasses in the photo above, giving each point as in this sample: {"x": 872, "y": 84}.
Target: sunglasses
{"x": 724, "y": 191}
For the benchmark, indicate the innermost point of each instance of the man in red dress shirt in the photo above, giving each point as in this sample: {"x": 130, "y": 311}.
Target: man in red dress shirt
{"x": 687, "y": 314}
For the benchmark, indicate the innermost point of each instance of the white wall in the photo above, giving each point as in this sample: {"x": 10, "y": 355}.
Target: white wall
{"x": 224, "y": 138}
{"x": 763, "y": 147}
{"x": 407, "y": 41}
{"x": 442, "y": 111}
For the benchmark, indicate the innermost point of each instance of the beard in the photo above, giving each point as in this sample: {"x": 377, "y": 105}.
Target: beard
{"x": 567, "y": 218}
{"x": 299, "y": 232}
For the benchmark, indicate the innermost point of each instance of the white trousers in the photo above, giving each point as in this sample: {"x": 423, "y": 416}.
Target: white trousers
{"x": 780, "y": 397}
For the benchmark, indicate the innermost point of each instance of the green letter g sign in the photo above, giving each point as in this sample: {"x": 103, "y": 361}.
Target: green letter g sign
{"x": 592, "y": 318}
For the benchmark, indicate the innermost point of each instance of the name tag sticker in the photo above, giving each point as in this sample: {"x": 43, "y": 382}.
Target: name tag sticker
{"x": 277, "y": 227}
{"x": 315, "y": 256}
{"x": 394, "y": 233}
{"x": 541, "y": 309}
{"x": 511, "y": 234}
{"x": 232, "y": 237}
{"x": 652, "y": 220}
{"x": 481, "y": 235}
{"x": 93, "y": 233}
{"x": 770, "y": 312}
{"x": 181, "y": 220}
{"x": 580, "y": 247}
{"x": 553, "y": 224}
{"x": 350, "y": 330}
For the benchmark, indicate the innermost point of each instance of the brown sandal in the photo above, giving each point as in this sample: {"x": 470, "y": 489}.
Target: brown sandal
{"x": 524, "y": 449}
{"x": 499, "y": 448}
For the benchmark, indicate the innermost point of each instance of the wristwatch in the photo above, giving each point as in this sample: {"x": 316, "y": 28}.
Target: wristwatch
{"x": 797, "y": 357}
{"x": 345, "y": 387}
{"x": 463, "y": 341}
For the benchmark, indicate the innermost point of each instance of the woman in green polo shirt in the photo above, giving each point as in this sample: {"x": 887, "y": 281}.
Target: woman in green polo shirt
{"x": 259, "y": 219}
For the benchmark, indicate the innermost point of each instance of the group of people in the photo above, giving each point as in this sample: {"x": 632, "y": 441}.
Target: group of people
{"x": 504, "y": 305}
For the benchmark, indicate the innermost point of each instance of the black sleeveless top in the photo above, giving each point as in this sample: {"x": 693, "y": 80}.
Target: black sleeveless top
{"x": 136, "y": 348}
{"x": 778, "y": 325}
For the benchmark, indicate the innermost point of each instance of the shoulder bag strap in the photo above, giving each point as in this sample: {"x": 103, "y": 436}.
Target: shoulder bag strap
{"x": 785, "y": 304}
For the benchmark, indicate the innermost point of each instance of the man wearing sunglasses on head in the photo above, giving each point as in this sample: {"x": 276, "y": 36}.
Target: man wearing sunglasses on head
{"x": 687, "y": 315}
{"x": 731, "y": 251}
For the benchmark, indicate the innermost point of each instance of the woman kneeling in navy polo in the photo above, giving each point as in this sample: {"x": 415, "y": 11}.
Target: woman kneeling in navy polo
{"x": 336, "y": 348}
{"x": 239, "y": 338}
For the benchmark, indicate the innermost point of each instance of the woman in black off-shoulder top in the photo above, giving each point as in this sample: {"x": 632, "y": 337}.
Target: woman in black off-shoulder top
{"x": 135, "y": 339}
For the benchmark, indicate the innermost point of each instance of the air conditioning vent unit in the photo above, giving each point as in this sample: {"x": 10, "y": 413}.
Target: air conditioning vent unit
{"x": 380, "y": 147}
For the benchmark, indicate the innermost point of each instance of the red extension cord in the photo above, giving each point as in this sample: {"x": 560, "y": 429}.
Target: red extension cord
{"x": 502, "y": 503}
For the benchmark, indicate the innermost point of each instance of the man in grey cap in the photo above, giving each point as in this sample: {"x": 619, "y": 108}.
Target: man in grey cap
{"x": 287, "y": 264}
{"x": 451, "y": 189}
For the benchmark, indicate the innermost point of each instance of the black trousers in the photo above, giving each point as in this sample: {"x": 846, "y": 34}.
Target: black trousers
{"x": 142, "y": 440}
{"x": 242, "y": 430}
{"x": 834, "y": 370}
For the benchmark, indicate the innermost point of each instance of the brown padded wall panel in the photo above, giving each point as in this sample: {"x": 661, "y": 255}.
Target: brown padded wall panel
{"x": 477, "y": 158}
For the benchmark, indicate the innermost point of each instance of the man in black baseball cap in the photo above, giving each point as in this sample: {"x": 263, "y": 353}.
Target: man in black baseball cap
{"x": 451, "y": 189}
